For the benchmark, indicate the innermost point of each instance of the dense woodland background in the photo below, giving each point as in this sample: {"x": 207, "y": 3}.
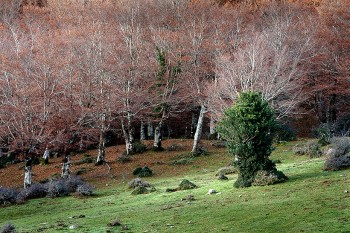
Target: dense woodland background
{"x": 81, "y": 73}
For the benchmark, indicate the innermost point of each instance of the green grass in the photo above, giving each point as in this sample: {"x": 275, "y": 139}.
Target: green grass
{"x": 312, "y": 200}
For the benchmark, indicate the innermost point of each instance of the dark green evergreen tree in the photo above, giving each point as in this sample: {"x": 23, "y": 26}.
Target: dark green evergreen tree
{"x": 248, "y": 127}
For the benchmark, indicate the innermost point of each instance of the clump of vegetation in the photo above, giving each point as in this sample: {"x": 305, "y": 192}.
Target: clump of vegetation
{"x": 36, "y": 190}
{"x": 137, "y": 182}
{"x": 183, "y": 161}
{"x": 8, "y": 228}
{"x": 142, "y": 172}
{"x": 324, "y": 134}
{"x": 338, "y": 154}
{"x": 8, "y": 195}
{"x": 85, "y": 189}
{"x": 139, "y": 147}
{"x": 248, "y": 127}
{"x": 57, "y": 188}
{"x": 311, "y": 149}
{"x": 263, "y": 178}
{"x": 201, "y": 150}
{"x": 124, "y": 158}
{"x": 184, "y": 185}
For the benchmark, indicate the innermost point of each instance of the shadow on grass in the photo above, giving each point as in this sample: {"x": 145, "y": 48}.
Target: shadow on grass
{"x": 306, "y": 176}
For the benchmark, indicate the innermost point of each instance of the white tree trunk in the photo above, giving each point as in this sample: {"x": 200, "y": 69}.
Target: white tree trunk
{"x": 129, "y": 138}
{"x": 142, "y": 131}
{"x": 157, "y": 144}
{"x": 101, "y": 148}
{"x": 198, "y": 134}
{"x": 66, "y": 167}
{"x": 46, "y": 155}
{"x": 27, "y": 176}
{"x": 212, "y": 126}
{"x": 150, "y": 131}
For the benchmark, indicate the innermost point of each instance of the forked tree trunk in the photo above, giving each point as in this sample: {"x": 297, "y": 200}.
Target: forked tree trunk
{"x": 28, "y": 173}
{"x": 157, "y": 144}
{"x": 66, "y": 167}
{"x": 142, "y": 131}
{"x": 198, "y": 134}
{"x": 101, "y": 148}
{"x": 128, "y": 137}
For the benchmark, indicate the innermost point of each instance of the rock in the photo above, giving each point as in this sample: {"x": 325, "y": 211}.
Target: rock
{"x": 222, "y": 177}
{"x": 212, "y": 191}
{"x": 73, "y": 227}
{"x": 346, "y": 191}
{"x": 140, "y": 190}
{"x": 186, "y": 184}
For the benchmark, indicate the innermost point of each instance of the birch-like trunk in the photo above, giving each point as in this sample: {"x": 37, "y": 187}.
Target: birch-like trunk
{"x": 66, "y": 167}
{"x": 142, "y": 131}
{"x": 128, "y": 137}
{"x": 150, "y": 131}
{"x": 157, "y": 144}
{"x": 28, "y": 173}
{"x": 101, "y": 148}
{"x": 46, "y": 155}
{"x": 212, "y": 126}
{"x": 198, "y": 134}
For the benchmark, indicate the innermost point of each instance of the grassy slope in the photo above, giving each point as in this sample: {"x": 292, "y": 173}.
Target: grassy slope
{"x": 312, "y": 200}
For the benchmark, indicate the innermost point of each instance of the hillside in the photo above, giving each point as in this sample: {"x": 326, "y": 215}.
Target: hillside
{"x": 312, "y": 200}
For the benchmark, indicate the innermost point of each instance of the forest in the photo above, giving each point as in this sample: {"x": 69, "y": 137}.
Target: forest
{"x": 75, "y": 74}
{"x": 98, "y": 95}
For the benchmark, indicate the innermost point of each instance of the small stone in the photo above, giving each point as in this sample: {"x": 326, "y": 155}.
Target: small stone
{"x": 125, "y": 227}
{"x": 212, "y": 191}
{"x": 190, "y": 222}
{"x": 346, "y": 191}
{"x": 73, "y": 227}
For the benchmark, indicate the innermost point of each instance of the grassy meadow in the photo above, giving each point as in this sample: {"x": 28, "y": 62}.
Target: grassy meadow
{"x": 312, "y": 200}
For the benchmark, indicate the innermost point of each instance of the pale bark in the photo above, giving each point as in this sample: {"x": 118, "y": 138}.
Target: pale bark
{"x": 212, "y": 126}
{"x": 101, "y": 148}
{"x": 66, "y": 167}
{"x": 27, "y": 176}
{"x": 198, "y": 134}
{"x": 128, "y": 137}
{"x": 150, "y": 131}
{"x": 46, "y": 155}
{"x": 157, "y": 144}
{"x": 142, "y": 131}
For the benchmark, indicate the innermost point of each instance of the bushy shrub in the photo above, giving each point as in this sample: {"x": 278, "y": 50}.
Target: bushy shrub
{"x": 338, "y": 155}
{"x": 8, "y": 228}
{"x": 311, "y": 149}
{"x": 36, "y": 190}
{"x": 57, "y": 188}
{"x": 137, "y": 182}
{"x": 142, "y": 172}
{"x": 248, "y": 127}
{"x": 263, "y": 178}
{"x": 7, "y": 195}
{"x": 323, "y": 133}
{"x": 139, "y": 147}
{"x": 85, "y": 189}
{"x": 72, "y": 183}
